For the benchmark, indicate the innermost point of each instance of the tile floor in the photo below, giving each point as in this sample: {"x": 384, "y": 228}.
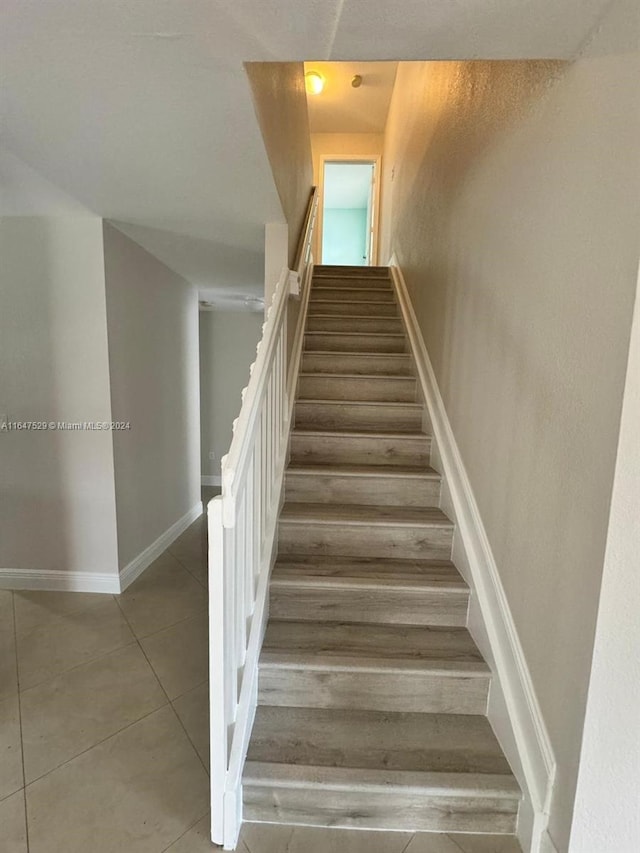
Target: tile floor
{"x": 104, "y": 731}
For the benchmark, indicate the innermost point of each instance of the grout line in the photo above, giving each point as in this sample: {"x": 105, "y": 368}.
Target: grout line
{"x": 169, "y": 700}
{"x": 188, "y": 829}
{"x": 97, "y": 743}
{"x": 408, "y": 844}
{"x": 80, "y": 665}
{"x": 166, "y": 627}
{"x": 187, "y": 569}
{"x": 453, "y": 841}
{"x": 24, "y": 781}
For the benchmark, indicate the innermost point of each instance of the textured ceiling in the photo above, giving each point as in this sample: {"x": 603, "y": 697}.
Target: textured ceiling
{"x": 140, "y": 109}
{"x": 340, "y": 108}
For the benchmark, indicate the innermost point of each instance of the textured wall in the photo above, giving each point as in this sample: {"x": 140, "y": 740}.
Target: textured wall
{"x": 281, "y": 105}
{"x": 512, "y": 189}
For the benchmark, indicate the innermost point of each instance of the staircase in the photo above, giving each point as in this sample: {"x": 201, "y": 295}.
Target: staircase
{"x": 371, "y": 693}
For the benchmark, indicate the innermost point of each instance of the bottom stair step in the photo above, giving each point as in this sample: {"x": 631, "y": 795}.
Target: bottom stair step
{"x": 366, "y": 769}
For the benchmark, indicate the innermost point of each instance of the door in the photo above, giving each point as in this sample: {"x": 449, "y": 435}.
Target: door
{"x": 348, "y": 212}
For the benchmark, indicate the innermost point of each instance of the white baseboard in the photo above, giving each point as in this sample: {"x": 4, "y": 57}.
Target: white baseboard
{"x": 135, "y": 568}
{"x": 57, "y": 581}
{"x": 211, "y": 480}
{"x": 516, "y": 718}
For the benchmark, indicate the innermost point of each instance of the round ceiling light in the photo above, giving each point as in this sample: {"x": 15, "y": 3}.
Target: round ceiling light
{"x": 314, "y": 82}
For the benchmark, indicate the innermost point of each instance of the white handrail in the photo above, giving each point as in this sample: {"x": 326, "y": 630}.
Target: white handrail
{"x": 242, "y": 525}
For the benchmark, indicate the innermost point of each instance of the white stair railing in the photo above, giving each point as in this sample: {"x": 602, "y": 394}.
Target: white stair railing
{"x": 242, "y": 525}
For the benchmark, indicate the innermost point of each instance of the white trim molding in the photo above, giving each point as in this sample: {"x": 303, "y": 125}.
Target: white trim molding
{"x": 211, "y": 480}
{"x": 50, "y": 580}
{"x": 546, "y": 844}
{"x": 144, "y": 559}
{"x": 522, "y": 725}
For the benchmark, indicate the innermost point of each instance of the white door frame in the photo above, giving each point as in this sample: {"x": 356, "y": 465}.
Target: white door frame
{"x": 365, "y": 159}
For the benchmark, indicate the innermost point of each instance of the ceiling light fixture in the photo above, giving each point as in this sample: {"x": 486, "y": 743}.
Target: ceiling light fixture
{"x": 313, "y": 82}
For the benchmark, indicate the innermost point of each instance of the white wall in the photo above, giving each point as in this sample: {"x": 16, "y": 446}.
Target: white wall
{"x": 57, "y": 501}
{"x": 152, "y": 317}
{"x": 512, "y": 200}
{"x": 607, "y": 809}
{"x": 228, "y": 341}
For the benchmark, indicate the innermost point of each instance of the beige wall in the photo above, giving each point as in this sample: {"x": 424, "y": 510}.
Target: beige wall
{"x": 152, "y": 317}
{"x": 228, "y": 341}
{"x": 57, "y": 501}
{"x": 512, "y": 200}
{"x": 330, "y": 144}
{"x": 606, "y": 816}
{"x": 281, "y": 106}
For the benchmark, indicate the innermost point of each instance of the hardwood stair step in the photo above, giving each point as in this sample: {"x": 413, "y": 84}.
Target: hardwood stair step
{"x": 327, "y": 386}
{"x": 359, "y": 323}
{"x": 318, "y": 447}
{"x": 378, "y": 770}
{"x": 367, "y": 363}
{"x": 342, "y": 308}
{"x": 352, "y": 283}
{"x": 350, "y": 272}
{"x": 323, "y": 293}
{"x": 365, "y": 531}
{"x": 363, "y": 484}
{"x": 362, "y": 415}
{"x": 372, "y": 667}
{"x": 379, "y": 591}
{"x": 355, "y": 342}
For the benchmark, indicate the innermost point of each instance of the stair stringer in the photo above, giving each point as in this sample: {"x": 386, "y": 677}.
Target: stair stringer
{"x": 514, "y": 711}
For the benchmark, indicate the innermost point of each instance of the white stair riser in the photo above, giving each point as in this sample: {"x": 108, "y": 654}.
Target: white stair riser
{"x": 402, "y": 418}
{"x": 385, "y": 690}
{"x": 362, "y": 489}
{"x": 385, "y": 606}
{"x": 362, "y": 343}
{"x": 348, "y": 294}
{"x": 420, "y": 542}
{"x": 327, "y": 323}
{"x": 353, "y": 309}
{"x": 352, "y": 388}
{"x": 359, "y": 450}
{"x": 350, "y": 363}
{"x": 393, "y": 810}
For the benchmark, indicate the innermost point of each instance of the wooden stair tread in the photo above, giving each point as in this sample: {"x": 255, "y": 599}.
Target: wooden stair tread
{"x": 402, "y": 377}
{"x": 385, "y": 403}
{"x": 414, "y": 574}
{"x": 360, "y": 645}
{"x": 359, "y": 433}
{"x": 346, "y": 470}
{"x": 376, "y": 740}
{"x": 319, "y": 513}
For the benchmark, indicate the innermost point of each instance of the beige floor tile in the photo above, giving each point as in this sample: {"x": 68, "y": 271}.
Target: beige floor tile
{"x": 432, "y": 842}
{"x": 486, "y": 843}
{"x": 8, "y": 669}
{"x": 13, "y": 827}
{"x": 265, "y": 838}
{"x": 11, "y": 778}
{"x": 190, "y": 549}
{"x": 196, "y": 840}
{"x": 137, "y": 792}
{"x": 65, "y": 641}
{"x": 268, "y": 838}
{"x": 36, "y": 609}
{"x": 179, "y": 655}
{"x": 193, "y": 710}
{"x": 68, "y": 714}
{"x": 165, "y": 594}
